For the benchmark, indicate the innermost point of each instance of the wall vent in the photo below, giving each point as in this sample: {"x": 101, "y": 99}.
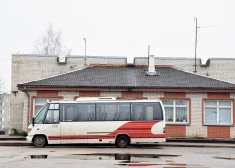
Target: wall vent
{"x": 61, "y": 59}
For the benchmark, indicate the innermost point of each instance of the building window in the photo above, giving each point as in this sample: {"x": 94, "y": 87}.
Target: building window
{"x": 40, "y": 102}
{"x": 1, "y": 111}
{"x": 1, "y": 119}
{"x": 176, "y": 111}
{"x": 218, "y": 111}
{"x": 1, "y": 126}
{"x": 1, "y": 104}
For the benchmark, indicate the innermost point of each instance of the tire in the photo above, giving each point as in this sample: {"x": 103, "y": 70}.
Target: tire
{"x": 39, "y": 141}
{"x": 122, "y": 141}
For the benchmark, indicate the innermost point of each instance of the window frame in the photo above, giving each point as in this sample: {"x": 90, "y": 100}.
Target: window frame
{"x": 217, "y": 111}
{"x": 174, "y": 110}
{"x": 52, "y": 109}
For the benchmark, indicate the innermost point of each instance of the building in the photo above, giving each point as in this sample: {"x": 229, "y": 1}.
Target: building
{"x": 196, "y": 105}
{"x": 5, "y": 115}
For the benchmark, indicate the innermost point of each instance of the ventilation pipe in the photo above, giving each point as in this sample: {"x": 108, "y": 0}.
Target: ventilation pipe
{"x": 151, "y": 66}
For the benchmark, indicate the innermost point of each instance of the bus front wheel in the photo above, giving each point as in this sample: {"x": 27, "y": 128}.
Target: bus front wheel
{"x": 39, "y": 141}
{"x": 122, "y": 141}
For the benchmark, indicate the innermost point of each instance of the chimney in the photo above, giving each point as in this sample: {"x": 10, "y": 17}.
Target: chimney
{"x": 151, "y": 65}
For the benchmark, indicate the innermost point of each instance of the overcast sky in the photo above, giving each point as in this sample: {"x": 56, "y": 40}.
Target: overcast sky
{"x": 119, "y": 28}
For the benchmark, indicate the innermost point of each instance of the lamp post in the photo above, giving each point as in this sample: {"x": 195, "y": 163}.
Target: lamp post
{"x": 85, "y": 52}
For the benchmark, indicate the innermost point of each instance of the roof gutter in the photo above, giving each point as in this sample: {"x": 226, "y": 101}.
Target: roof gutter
{"x": 28, "y": 103}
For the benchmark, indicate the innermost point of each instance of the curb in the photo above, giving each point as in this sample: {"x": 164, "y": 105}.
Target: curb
{"x": 228, "y": 141}
{"x": 15, "y": 144}
{"x": 207, "y": 145}
{"x": 13, "y": 139}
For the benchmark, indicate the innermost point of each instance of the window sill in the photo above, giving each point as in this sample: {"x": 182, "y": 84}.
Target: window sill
{"x": 222, "y": 125}
{"x": 187, "y": 124}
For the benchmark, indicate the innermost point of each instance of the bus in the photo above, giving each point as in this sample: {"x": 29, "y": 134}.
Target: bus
{"x": 101, "y": 120}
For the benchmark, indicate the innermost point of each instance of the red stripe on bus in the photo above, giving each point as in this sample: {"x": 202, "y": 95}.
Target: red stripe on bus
{"x": 133, "y": 129}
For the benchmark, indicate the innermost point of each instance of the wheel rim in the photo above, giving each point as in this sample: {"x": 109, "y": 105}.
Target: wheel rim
{"x": 122, "y": 142}
{"x": 39, "y": 140}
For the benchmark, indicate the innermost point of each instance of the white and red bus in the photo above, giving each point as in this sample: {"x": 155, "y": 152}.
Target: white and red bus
{"x": 98, "y": 120}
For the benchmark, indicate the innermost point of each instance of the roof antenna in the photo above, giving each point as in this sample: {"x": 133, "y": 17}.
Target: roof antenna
{"x": 195, "y": 64}
{"x": 148, "y": 53}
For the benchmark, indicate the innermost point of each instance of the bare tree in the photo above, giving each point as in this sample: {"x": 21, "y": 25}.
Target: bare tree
{"x": 50, "y": 43}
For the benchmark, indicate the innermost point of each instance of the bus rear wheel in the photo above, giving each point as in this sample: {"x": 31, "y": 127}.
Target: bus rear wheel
{"x": 39, "y": 141}
{"x": 122, "y": 141}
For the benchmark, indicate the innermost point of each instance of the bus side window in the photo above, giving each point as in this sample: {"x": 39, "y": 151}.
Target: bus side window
{"x": 110, "y": 111}
{"x": 69, "y": 112}
{"x": 105, "y": 111}
{"x": 136, "y": 112}
{"x": 87, "y": 112}
{"x": 83, "y": 110}
{"x": 99, "y": 111}
{"x": 124, "y": 112}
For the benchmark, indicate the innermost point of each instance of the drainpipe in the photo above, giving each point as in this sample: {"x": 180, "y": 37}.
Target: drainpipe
{"x": 28, "y": 103}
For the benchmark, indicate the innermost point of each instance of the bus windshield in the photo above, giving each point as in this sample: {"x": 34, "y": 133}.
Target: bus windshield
{"x": 41, "y": 114}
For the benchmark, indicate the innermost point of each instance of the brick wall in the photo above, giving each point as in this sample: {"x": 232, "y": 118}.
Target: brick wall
{"x": 196, "y": 129}
{"x": 132, "y": 95}
{"x": 175, "y": 131}
{"x": 69, "y": 95}
{"x": 153, "y": 95}
{"x": 110, "y": 94}
{"x": 218, "y": 132}
{"x": 17, "y": 110}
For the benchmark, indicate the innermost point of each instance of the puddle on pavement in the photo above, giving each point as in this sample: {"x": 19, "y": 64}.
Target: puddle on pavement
{"x": 225, "y": 158}
{"x": 109, "y": 156}
{"x": 122, "y": 156}
{"x": 38, "y": 156}
{"x": 123, "y": 159}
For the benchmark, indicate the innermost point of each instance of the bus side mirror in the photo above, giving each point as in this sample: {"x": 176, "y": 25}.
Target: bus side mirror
{"x": 33, "y": 121}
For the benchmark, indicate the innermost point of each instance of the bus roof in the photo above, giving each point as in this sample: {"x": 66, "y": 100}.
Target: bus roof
{"x": 103, "y": 99}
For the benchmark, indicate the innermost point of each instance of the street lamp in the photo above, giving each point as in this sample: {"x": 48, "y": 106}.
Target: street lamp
{"x": 85, "y": 52}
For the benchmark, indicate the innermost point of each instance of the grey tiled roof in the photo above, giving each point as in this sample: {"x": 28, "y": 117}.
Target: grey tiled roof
{"x": 130, "y": 77}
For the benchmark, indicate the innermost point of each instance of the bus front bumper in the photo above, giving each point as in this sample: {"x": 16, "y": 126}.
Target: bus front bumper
{"x": 29, "y": 138}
